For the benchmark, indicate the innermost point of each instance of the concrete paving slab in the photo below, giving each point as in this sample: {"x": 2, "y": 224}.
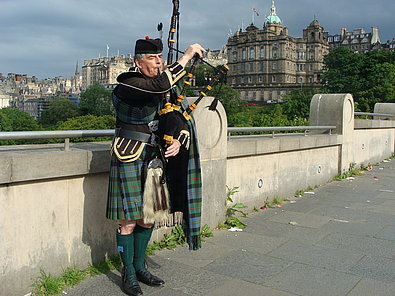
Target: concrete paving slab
{"x": 388, "y": 232}
{"x": 369, "y": 287}
{"x": 237, "y": 287}
{"x": 187, "y": 279}
{"x": 312, "y": 281}
{"x": 268, "y": 228}
{"x": 384, "y": 219}
{"x": 306, "y": 234}
{"x": 247, "y": 266}
{"x": 364, "y": 245}
{"x": 198, "y": 258}
{"x": 305, "y": 220}
{"x": 355, "y": 228}
{"x": 382, "y": 269}
{"x": 342, "y": 213}
{"x": 334, "y": 259}
{"x": 303, "y": 205}
{"x": 168, "y": 292}
{"x": 247, "y": 242}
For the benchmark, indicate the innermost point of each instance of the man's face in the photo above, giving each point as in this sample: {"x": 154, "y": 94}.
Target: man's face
{"x": 151, "y": 65}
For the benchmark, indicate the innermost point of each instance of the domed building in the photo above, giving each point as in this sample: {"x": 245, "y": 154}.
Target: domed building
{"x": 267, "y": 63}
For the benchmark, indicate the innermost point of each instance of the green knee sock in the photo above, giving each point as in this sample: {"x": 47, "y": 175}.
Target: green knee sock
{"x": 141, "y": 238}
{"x": 125, "y": 245}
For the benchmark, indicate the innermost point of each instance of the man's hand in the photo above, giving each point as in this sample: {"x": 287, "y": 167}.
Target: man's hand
{"x": 173, "y": 149}
{"x": 190, "y": 53}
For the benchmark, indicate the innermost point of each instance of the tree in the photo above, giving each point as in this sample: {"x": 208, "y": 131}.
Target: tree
{"x": 369, "y": 77}
{"x": 96, "y": 100}
{"x": 18, "y": 120}
{"x": 60, "y": 110}
{"x": 229, "y": 97}
{"x": 297, "y": 103}
{"x": 88, "y": 122}
{"x": 203, "y": 74}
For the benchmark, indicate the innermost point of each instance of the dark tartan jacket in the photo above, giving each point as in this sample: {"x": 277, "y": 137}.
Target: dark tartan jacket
{"x": 137, "y": 101}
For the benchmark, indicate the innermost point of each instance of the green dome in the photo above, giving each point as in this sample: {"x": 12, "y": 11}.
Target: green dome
{"x": 273, "y": 19}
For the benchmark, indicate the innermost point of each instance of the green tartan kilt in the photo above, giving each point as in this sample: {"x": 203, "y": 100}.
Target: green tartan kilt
{"x": 126, "y": 186}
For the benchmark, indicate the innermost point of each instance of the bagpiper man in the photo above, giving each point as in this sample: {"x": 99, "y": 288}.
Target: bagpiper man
{"x": 142, "y": 178}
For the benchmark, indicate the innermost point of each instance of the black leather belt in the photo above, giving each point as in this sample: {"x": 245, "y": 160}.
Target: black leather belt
{"x": 133, "y": 135}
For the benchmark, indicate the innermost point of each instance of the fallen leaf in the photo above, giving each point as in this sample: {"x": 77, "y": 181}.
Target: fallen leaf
{"x": 293, "y": 223}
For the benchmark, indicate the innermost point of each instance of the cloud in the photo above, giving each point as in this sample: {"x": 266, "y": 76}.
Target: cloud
{"x": 46, "y": 37}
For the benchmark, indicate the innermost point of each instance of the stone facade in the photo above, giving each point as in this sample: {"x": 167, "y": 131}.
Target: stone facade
{"x": 359, "y": 41}
{"x": 104, "y": 70}
{"x": 267, "y": 63}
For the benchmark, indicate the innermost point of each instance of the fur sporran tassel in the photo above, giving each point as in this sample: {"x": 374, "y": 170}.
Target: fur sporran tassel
{"x": 156, "y": 197}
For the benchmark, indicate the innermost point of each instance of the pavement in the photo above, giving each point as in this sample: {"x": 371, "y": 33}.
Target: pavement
{"x": 338, "y": 240}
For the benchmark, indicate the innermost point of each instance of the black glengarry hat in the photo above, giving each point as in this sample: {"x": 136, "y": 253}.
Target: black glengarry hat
{"x": 148, "y": 46}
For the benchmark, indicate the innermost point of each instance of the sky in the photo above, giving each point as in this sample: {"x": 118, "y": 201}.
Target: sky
{"x": 46, "y": 38}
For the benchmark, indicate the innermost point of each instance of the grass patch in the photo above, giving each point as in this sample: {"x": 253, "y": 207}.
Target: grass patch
{"x": 277, "y": 201}
{"x": 175, "y": 238}
{"x": 47, "y": 284}
{"x": 352, "y": 171}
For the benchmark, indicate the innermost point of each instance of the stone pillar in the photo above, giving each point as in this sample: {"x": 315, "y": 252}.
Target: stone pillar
{"x": 385, "y": 108}
{"x": 336, "y": 110}
{"x": 212, "y": 139}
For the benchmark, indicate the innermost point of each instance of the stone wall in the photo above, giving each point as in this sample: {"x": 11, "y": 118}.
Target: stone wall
{"x": 52, "y": 202}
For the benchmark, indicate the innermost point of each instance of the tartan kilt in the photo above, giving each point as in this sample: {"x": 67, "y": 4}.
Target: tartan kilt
{"x": 126, "y": 186}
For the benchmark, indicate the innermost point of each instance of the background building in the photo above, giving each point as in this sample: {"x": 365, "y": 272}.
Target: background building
{"x": 358, "y": 40}
{"x": 267, "y": 63}
{"x": 104, "y": 70}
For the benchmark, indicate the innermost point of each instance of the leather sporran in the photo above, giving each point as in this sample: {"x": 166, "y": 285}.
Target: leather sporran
{"x": 156, "y": 195}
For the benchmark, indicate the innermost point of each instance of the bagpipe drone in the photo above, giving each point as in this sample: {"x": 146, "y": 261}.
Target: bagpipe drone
{"x": 172, "y": 119}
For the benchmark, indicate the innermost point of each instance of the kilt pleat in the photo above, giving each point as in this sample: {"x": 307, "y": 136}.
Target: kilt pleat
{"x": 125, "y": 190}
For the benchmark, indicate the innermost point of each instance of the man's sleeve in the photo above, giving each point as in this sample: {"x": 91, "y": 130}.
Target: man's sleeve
{"x": 160, "y": 84}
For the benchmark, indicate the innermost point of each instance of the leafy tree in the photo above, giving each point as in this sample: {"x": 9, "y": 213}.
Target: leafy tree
{"x": 88, "y": 122}
{"x": 203, "y": 74}
{"x": 96, "y": 100}
{"x": 297, "y": 103}
{"x": 5, "y": 122}
{"x": 229, "y": 97}
{"x": 369, "y": 77}
{"x": 18, "y": 120}
{"x": 60, "y": 110}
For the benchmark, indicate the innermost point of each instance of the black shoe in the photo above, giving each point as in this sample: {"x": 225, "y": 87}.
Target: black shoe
{"x": 149, "y": 279}
{"x": 130, "y": 285}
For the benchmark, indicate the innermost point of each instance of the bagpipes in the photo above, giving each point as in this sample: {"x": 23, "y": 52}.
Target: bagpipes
{"x": 172, "y": 123}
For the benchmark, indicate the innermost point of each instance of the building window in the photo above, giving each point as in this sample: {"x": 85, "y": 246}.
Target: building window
{"x": 233, "y": 80}
{"x": 235, "y": 56}
{"x": 252, "y": 53}
{"x": 261, "y": 66}
{"x": 249, "y": 79}
{"x": 274, "y": 52}
{"x": 260, "y": 79}
{"x": 244, "y": 54}
{"x": 251, "y": 67}
{"x": 273, "y": 78}
{"x": 274, "y": 66}
{"x": 243, "y": 67}
{"x": 242, "y": 80}
{"x": 262, "y": 52}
